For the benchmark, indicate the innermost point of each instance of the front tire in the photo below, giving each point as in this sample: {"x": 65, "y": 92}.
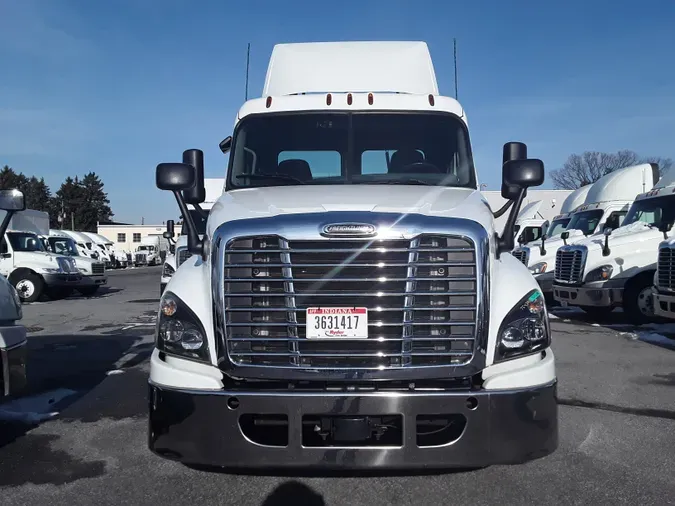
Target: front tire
{"x": 29, "y": 285}
{"x": 638, "y": 299}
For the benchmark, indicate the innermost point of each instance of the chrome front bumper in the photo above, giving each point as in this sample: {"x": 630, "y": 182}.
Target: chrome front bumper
{"x": 586, "y": 296}
{"x": 500, "y": 427}
{"x": 664, "y": 304}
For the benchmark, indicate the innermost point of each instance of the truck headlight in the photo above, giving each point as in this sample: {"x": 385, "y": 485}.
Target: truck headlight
{"x": 168, "y": 271}
{"x": 539, "y": 268}
{"x": 600, "y": 274}
{"x": 525, "y": 329}
{"x": 179, "y": 331}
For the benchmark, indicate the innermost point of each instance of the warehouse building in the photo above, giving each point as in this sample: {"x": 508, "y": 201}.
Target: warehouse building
{"x": 128, "y": 237}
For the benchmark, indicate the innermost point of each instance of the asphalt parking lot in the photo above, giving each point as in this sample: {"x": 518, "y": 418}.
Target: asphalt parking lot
{"x": 80, "y": 437}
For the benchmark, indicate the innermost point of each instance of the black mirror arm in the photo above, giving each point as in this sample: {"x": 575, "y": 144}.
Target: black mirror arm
{"x": 5, "y": 223}
{"x": 605, "y": 249}
{"x": 194, "y": 243}
{"x": 202, "y": 213}
{"x": 504, "y": 208}
{"x": 542, "y": 249}
{"x": 505, "y": 243}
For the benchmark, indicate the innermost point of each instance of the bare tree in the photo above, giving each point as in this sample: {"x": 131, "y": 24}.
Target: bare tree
{"x": 587, "y": 168}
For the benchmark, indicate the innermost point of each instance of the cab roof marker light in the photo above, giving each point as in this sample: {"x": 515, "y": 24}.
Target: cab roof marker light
{"x": 431, "y": 100}
{"x": 370, "y": 99}
{"x": 329, "y": 99}
{"x": 349, "y": 99}
{"x": 268, "y": 103}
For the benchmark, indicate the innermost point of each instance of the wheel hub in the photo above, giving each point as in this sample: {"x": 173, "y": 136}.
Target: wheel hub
{"x": 645, "y": 301}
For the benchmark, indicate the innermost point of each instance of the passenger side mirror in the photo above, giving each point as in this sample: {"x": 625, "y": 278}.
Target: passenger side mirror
{"x": 523, "y": 174}
{"x": 607, "y": 231}
{"x": 665, "y": 227}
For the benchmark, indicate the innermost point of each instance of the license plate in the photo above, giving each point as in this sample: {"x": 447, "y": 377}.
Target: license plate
{"x": 337, "y": 322}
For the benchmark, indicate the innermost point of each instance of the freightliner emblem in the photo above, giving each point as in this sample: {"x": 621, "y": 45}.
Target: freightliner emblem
{"x": 349, "y": 230}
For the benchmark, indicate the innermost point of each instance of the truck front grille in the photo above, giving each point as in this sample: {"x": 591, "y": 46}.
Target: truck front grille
{"x": 569, "y": 264}
{"x": 421, "y": 297}
{"x": 182, "y": 255}
{"x": 140, "y": 258}
{"x": 666, "y": 268}
{"x": 522, "y": 254}
{"x": 98, "y": 268}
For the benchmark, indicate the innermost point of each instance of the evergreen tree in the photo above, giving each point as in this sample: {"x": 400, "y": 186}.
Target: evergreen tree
{"x": 95, "y": 204}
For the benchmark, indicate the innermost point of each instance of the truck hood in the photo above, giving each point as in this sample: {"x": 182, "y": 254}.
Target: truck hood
{"x": 632, "y": 248}
{"x": 427, "y": 200}
{"x": 37, "y": 260}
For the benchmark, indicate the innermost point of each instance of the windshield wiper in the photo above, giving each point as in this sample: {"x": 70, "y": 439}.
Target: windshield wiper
{"x": 411, "y": 181}
{"x": 263, "y": 175}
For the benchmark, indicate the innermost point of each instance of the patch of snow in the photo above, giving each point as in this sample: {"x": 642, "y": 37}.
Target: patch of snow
{"x": 653, "y": 338}
{"x": 551, "y": 316}
{"x": 34, "y": 409}
{"x": 595, "y": 324}
{"x": 114, "y": 372}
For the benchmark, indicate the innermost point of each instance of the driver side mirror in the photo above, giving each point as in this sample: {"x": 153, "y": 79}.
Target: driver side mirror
{"x": 12, "y": 200}
{"x": 607, "y": 231}
{"x": 174, "y": 176}
{"x": 665, "y": 227}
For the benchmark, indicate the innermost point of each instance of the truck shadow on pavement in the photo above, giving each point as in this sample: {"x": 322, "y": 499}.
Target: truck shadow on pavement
{"x": 62, "y": 369}
{"x": 293, "y": 492}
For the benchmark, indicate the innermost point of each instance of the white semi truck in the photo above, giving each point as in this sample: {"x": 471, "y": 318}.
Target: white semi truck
{"x": 664, "y": 280}
{"x": 28, "y": 266}
{"x": 93, "y": 271}
{"x": 13, "y": 342}
{"x": 606, "y": 204}
{"x": 344, "y": 313}
{"x": 616, "y": 269}
{"x": 117, "y": 259}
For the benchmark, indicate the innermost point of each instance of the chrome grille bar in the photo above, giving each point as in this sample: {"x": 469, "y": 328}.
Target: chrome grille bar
{"x": 666, "y": 268}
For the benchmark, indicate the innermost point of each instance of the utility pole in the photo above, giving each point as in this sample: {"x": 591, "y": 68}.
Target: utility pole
{"x": 248, "y": 58}
{"x": 72, "y": 221}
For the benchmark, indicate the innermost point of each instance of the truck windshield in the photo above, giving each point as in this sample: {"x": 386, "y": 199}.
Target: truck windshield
{"x": 146, "y": 248}
{"x": 557, "y": 227}
{"x": 63, "y": 246}
{"x": 655, "y": 211}
{"x": 586, "y": 221}
{"x": 200, "y": 222}
{"x": 351, "y": 148}
{"x": 25, "y": 241}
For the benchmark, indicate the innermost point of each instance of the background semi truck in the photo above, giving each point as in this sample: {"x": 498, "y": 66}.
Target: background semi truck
{"x": 606, "y": 204}
{"x": 93, "y": 271}
{"x": 345, "y": 312}
{"x": 664, "y": 280}
{"x": 616, "y": 269}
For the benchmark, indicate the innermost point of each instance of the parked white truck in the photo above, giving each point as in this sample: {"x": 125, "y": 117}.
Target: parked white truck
{"x": 606, "y": 204}
{"x": 116, "y": 259}
{"x": 338, "y": 313}
{"x": 93, "y": 271}
{"x": 616, "y": 269}
{"x": 151, "y": 251}
{"x": 13, "y": 342}
{"x": 28, "y": 266}
{"x": 664, "y": 280}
